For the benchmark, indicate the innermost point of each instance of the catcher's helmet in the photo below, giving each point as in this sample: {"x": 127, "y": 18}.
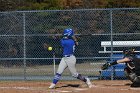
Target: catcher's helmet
{"x": 68, "y": 32}
{"x": 129, "y": 52}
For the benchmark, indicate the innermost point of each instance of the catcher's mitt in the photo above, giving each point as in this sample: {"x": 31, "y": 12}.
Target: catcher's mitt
{"x": 105, "y": 66}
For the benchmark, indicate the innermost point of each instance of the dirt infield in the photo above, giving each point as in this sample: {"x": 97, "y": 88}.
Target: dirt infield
{"x": 102, "y": 86}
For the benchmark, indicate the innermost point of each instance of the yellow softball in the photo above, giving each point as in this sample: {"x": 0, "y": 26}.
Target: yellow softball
{"x": 49, "y": 48}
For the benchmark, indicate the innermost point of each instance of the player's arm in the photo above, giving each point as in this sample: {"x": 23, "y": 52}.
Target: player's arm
{"x": 75, "y": 40}
{"x": 126, "y": 59}
{"x": 107, "y": 65}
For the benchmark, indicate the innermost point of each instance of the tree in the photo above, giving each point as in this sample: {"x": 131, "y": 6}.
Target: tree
{"x": 8, "y": 5}
{"x": 123, "y": 3}
{"x": 11, "y": 5}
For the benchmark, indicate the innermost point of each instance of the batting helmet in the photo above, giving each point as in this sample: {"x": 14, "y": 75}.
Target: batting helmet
{"x": 68, "y": 32}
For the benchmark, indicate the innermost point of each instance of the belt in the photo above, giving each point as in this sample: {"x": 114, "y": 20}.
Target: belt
{"x": 67, "y": 55}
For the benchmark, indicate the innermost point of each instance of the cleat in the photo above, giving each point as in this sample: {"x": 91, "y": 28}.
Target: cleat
{"x": 89, "y": 84}
{"x": 135, "y": 85}
{"x": 52, "y": 86}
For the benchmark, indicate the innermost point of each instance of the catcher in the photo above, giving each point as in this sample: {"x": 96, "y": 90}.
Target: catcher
{"x": 132, "y": 69}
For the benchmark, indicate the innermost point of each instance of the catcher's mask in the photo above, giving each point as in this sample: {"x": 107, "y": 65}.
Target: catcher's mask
{"x": 129, "y": 52}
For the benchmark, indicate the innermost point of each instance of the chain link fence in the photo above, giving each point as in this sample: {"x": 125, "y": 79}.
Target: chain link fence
{"x": 24, "y": 33}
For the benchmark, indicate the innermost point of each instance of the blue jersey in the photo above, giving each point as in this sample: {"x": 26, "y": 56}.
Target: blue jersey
{"x": 68, "y": 46}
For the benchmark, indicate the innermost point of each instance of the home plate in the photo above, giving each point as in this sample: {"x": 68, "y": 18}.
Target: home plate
{"x": 135, "y": 88}
{"x": 65, "y": 91}
{"x": 80, "y": 89}
{"x": 124, "y": 89}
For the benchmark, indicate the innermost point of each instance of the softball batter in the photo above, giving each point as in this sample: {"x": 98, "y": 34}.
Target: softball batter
{"x": 68, "y": 43}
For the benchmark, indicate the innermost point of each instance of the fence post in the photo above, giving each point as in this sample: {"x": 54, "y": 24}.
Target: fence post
{"x": 24, "y": 45}
{"x": 54, "y": 63}
{"x": 111, "y": 37}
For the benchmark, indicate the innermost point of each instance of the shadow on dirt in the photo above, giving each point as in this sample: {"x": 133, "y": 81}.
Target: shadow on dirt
{"x": 69, "y": 85}
{"x": 127, "y": 84}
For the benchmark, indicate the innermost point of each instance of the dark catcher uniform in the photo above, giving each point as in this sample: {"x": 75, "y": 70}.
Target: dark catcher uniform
{"x": 132, "y": 69}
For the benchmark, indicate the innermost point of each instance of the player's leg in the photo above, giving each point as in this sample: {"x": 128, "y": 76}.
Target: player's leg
{"x": 129, "y": 74}
{"x": 136, "y": 82}
{"x": 62, "y": 66}
{"x": 71, "y": 62}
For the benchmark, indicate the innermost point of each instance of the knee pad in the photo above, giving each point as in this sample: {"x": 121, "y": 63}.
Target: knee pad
{"x": 132, "y": 76}
{"x": 137, "y": 79}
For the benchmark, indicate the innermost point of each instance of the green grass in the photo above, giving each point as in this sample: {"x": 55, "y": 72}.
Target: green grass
{"x": 86, "y": 68}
